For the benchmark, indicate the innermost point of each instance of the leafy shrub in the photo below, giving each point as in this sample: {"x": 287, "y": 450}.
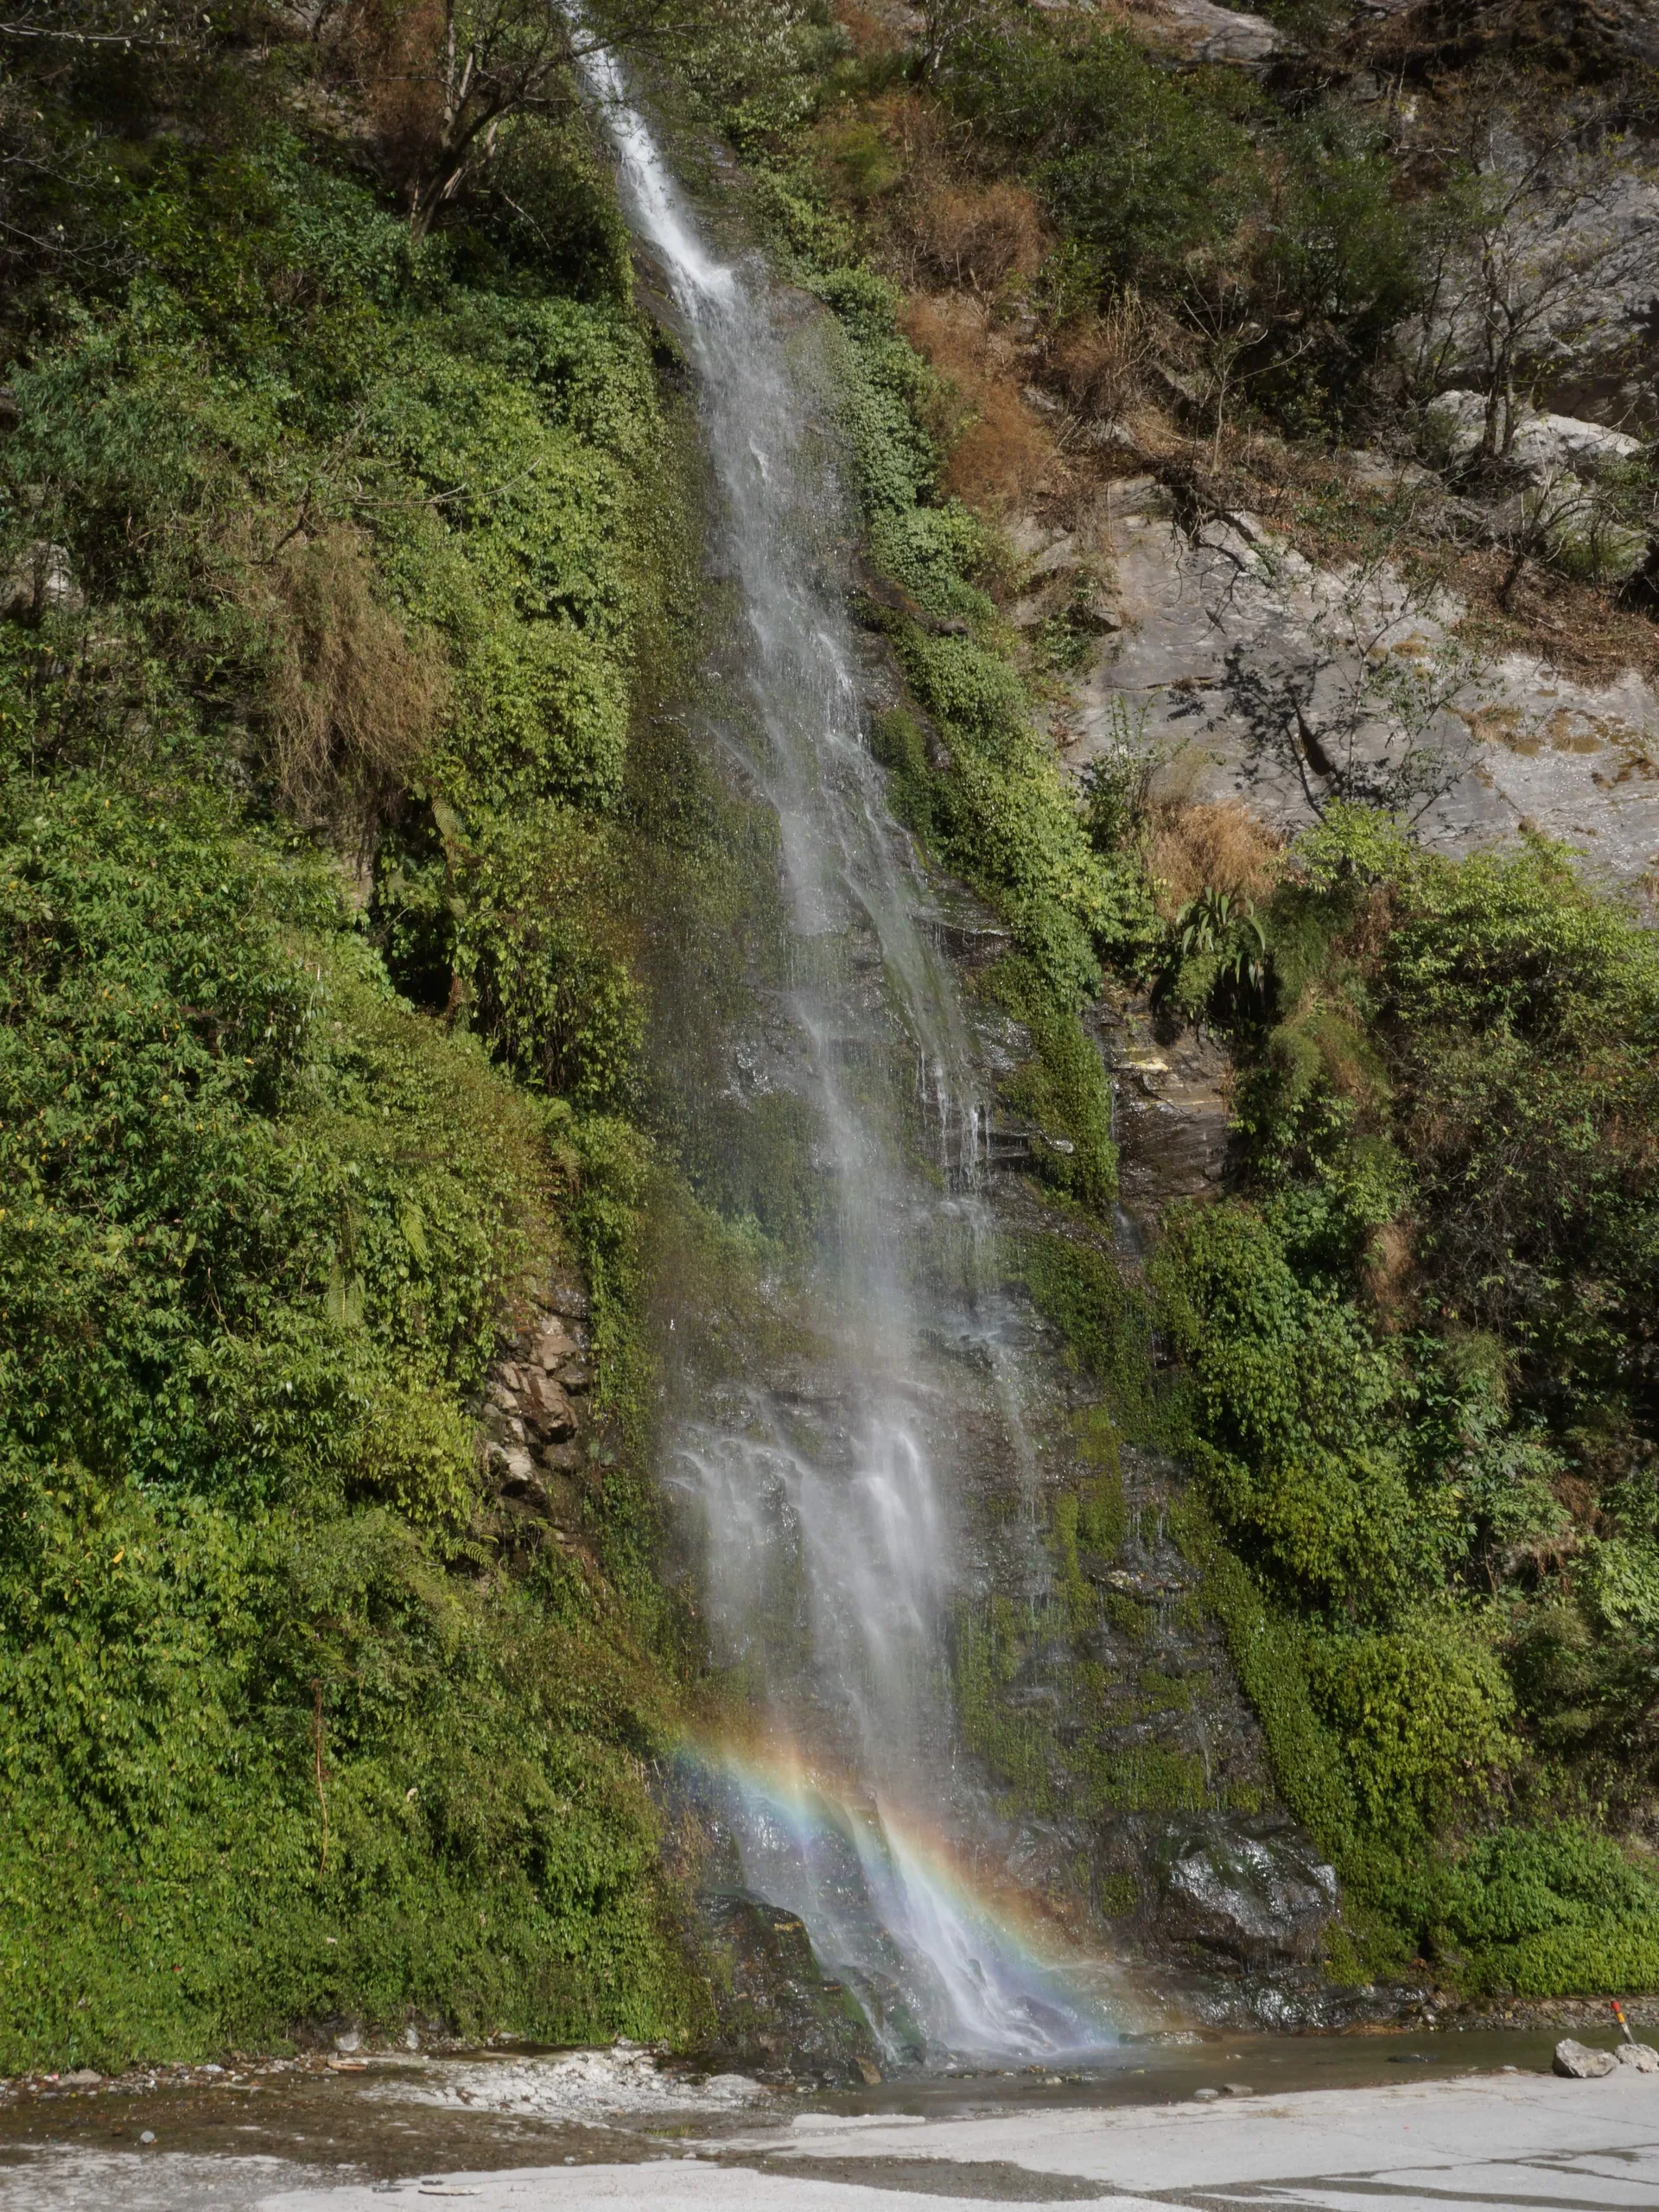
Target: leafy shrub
{"x": 1422, "y": 1715}
{"x": 1536, "y": 1911}
{"x": 1143, "y": 173}
{"x": 935, "y": 552}
{"x": 1620, "y": 1580}
{"x": 489, "y": 1854}
{"x": 1298, "y": 1415}
{"x": 195, "y": 1157}
{"x": 1520, "y": 1882}
{"x": 1267, "y": 1653}
{"x": 1523, "y": 1015}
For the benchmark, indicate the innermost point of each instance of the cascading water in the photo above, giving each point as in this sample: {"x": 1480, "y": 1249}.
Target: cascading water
{"x": 828, "y": 1542}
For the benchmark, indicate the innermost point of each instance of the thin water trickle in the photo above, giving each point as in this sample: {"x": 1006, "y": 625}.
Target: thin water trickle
{"x": 830, "y": 1535}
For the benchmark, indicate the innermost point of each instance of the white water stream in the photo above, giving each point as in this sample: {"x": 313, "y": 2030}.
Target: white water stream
{"x": 837, "y": 1515}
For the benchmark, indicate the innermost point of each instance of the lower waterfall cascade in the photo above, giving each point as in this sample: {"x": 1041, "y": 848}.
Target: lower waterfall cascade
{"x": 846, "y": 1801}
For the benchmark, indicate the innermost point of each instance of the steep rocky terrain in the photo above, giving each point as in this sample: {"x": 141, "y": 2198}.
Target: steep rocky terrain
{"x": 1248, "y": 428}
{"x": 1296, "y": 381}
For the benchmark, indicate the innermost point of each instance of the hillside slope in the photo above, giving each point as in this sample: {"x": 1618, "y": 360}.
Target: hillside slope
{"x": 330, "y": 554}
{"x": 1336, "y": 329}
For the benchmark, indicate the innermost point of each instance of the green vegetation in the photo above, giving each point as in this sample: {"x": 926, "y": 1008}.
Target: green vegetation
{"x": 1418, "y": 1343}
{"x": 1407, "y": 1357}
{"x": 332, "y": 552}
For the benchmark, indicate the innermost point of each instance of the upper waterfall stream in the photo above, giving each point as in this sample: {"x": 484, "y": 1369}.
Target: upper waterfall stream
{"x": 822, "y": 1508}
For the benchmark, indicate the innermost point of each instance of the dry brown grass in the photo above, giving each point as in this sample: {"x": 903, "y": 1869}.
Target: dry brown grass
{"x": 388, "y": 51}
{"x": 1388, "y": 1275}
{"x": 975, "y": 237}
{"x": 872, "y": 35}
{"x": 932, "y": 219}
{"x": 1003, "y": 457}
{"x": 1100, "y": 362}
{"x": 352, "y": 702}
{"x": 1212, "y": 847}
{"x": 1582, "y": 630}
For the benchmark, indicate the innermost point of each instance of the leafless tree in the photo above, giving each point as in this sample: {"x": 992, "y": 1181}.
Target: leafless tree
{"x": 943, "y": 21}
{"x": 1556, "y": 229}
{"x": 468, "y": 68}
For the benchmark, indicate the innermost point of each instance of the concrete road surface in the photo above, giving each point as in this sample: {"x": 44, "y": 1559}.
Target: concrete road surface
{"x": 1526, "y": 2141}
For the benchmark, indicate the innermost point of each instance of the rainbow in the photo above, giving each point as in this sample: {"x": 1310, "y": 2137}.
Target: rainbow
{"x": 1003, "y": 1968}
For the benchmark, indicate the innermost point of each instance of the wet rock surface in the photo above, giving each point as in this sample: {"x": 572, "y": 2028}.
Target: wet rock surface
{"x": 1255, "y": 1890}
{"x": 239, "y": 2140}
{"x": 1169, "y": 1104}
{"x": 775, "y": 2007}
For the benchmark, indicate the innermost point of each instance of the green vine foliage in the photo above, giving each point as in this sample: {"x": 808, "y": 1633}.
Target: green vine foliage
{"x": 319, "y": 1047}
{"x": 1417, "y": 1343}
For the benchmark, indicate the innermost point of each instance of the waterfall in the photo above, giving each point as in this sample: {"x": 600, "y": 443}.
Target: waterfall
{"x": 830, "y": 1534}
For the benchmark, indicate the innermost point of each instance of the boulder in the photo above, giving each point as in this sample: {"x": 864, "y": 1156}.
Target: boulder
{"x": 513, "y": 1464}
{"x": 1640, "y": 2057}
{"x": 1200, "y": 31}
{"x": 1579, "y": 2063}
{"x": 553, "y": 1344}
{"x": 546, "y": 1409}
{"x": 1544, "y": 446}
{"x": 528, "y": 1490}
{"x": 1256, "y": 1893}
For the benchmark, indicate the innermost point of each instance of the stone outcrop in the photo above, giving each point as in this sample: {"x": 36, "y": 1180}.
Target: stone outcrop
{"x": 775, "y": 2007}
{"x": 1221, "y": 635}
{"x": 1256, "y": 1891}
{"x": 537, "y": 1418}
{"x": 1199, "y": 31}
{"x": 1169, "y": 1108}
{"x": 1544, "y": 445}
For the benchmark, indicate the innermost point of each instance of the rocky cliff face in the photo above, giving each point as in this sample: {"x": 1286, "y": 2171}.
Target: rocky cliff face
{"x": 1250, "y": 672}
